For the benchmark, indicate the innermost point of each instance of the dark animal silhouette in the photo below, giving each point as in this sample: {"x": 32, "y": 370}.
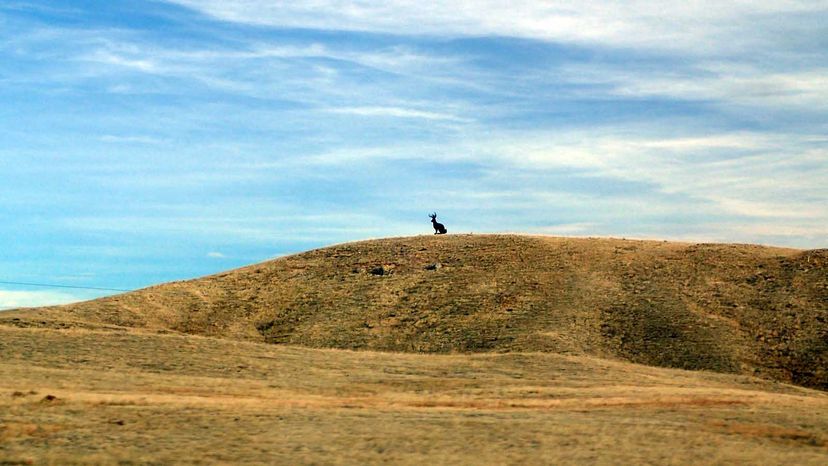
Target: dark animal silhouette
{"x": 439, "y": 228}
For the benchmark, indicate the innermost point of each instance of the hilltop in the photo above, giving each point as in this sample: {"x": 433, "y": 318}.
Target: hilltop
{"x": 743, "y": 309}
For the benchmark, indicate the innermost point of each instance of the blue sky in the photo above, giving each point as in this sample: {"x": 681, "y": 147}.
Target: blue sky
{"x": 147, "y": 141}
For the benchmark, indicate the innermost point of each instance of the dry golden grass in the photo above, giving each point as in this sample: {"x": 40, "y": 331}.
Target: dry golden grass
{"x": 744, "y": 309}
{"x": 514, "y": 350}
{"x": 131, "y": 397}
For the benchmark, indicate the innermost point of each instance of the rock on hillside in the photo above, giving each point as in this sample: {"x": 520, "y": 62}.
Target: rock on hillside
{"x": 723, "y": 307}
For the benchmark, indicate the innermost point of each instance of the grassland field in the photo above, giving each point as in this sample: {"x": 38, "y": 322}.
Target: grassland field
{"x": 455, "y": 350}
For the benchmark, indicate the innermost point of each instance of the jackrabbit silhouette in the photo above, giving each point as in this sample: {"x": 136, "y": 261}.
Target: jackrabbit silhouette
{"x": 439, "y": 228}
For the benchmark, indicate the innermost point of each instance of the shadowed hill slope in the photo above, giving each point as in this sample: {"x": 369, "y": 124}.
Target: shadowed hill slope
{"x": 729, "y": 308}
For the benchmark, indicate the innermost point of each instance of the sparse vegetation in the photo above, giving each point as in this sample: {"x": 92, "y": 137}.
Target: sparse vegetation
{"x": 133, "y": 397}
{"x": 498, "y": 349}
{"x": 729, "y": 308}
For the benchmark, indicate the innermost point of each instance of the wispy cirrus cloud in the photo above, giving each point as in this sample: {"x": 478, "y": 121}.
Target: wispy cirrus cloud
{"x": 302, "y": 72}
{"x": 396, "y": 112}
{"x": 744, "y": 174}
{"x": 725, "y": 84}
{"x": 124, "y": 139}
{"x": 112, "y": 59}
{"x": 702, "y": 26}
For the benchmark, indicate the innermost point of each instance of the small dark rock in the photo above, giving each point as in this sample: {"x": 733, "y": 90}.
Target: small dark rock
{"x": 378, "y": 270}
{"x": 433, "y": 266}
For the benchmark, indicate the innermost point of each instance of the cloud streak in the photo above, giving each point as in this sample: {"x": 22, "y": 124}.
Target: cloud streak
{"x": 725, "y": 84}
{"x": 703, "y": 26}
{"x": 396, "y": 112}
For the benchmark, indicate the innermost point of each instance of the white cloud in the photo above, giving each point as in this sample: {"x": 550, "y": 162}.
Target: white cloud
{"x": 131, "y": 139}
{"x": 395, "y": 112}
{"x": 29, "y": 6}
{"x": 109, "y": 58}
{"x": 721, "y": 83}
{"x": 766, "y": 179}
{"x": 703, "y": 25}
{"x": 775, "y": 177}
{"x": 216, "y": 255}
{"x": 15, "y": 299}
{"x": 346, "y": 156}
{"x": 313, "y": 73}
{"x": 233, "y": 67}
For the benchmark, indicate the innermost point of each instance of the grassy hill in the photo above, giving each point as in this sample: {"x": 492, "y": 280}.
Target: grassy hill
{"x": 740, "y": 309}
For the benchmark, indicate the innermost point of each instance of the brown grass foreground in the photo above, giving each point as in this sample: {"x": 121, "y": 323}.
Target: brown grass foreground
{"x": 132, "y": 397}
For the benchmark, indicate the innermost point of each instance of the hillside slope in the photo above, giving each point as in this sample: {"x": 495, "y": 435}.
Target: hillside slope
{"x": 110, "y": 396}
{"x": 729, "y": 308}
